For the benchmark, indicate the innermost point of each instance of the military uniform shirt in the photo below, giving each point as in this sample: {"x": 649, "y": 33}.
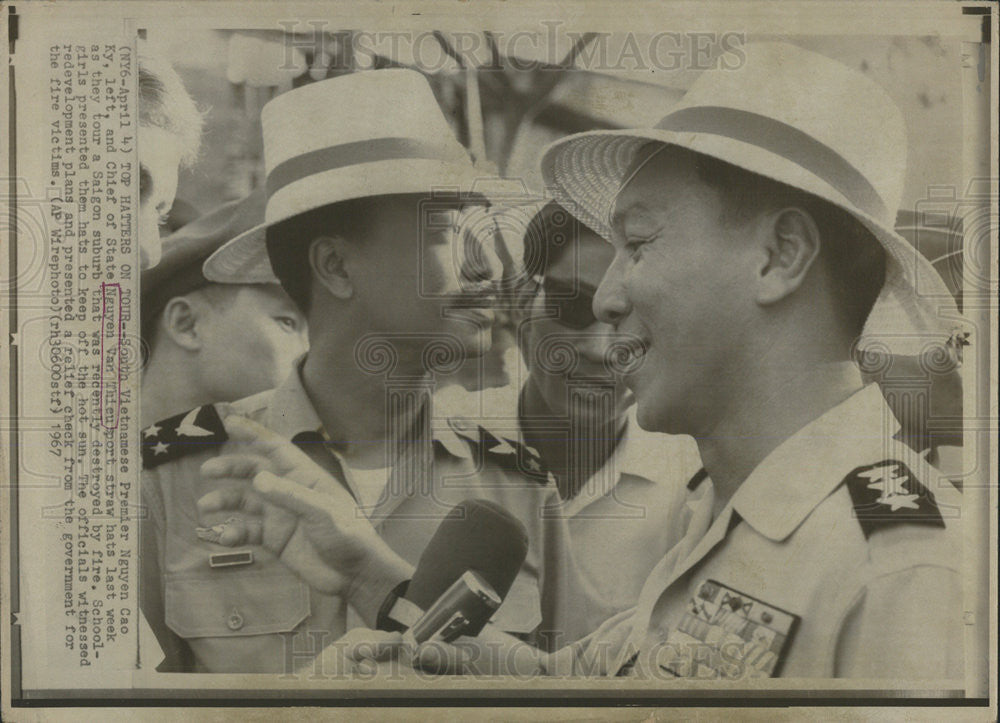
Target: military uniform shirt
{"x": 839, "y": 556}
{"x": 620, "y": 525}
{"x": 243, "y": 617}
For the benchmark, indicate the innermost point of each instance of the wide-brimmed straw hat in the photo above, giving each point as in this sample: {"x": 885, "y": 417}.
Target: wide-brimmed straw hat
{"x": 372, "y": 133}
{"x": 799, "y": 118}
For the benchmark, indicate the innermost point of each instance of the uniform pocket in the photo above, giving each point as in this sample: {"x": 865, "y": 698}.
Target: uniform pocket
{"x": 229, "y": 603}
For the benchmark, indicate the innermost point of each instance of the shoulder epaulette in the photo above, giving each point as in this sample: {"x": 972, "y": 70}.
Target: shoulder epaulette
{"x": 509, "y": 454}
{"x": 187, "y": 433}
{"x": 887, "y": 494}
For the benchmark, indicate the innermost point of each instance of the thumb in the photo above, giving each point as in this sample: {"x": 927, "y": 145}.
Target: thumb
{"x": 439, "y": 658}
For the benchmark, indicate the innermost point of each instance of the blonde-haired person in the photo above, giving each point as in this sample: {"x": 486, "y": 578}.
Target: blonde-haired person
{"x": 169, "y": 139}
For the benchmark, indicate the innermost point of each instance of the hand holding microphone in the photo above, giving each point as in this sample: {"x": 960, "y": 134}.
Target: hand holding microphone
{"x": 462, "y": 578}
{"x": 464, "y": 573}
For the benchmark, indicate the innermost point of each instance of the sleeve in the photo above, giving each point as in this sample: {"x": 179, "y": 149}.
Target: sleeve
{"x": 905, "y": 625}
{"x": 595, "y": 654}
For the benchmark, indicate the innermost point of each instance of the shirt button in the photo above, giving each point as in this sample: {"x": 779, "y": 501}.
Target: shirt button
{"x": 235, "y": 620}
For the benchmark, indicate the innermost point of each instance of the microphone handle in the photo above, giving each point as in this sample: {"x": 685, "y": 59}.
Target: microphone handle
{"x": 463, "y": 609}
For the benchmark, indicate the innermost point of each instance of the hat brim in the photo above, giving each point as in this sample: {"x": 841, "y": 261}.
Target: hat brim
{"x": 244, "y": 259}
{"x": 586, "y": 172}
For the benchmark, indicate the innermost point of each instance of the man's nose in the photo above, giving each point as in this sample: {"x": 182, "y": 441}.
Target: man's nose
{"x": 481, "y": 265}
{"x": 611, "y": 305}
{"x": 150, "y": 246}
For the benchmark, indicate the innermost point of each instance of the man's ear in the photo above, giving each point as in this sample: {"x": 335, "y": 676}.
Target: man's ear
{"x": 180, "y": 323}
{"x": 791, "y": 244}
{"x": 327, "y": 259}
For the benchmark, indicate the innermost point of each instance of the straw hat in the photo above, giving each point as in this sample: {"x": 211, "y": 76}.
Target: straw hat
{"x": 184, "y": 251}
{"x": 372, "y": 133}
{"x": 799, "y": 118}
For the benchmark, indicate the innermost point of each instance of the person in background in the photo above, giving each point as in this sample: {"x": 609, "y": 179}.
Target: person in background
{"x": 169, "y": 138}
{"x": 621, "y": 489}
{"x": 207, "y": 342}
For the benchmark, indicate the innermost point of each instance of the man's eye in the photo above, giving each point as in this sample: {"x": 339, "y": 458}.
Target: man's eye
{"x": 288, "y": 323}
{"x": 632, "y": 248}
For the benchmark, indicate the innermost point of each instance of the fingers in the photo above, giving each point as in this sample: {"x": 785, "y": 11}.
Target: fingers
{"x": 361, "y": 644}
{"x": 278, "y": 451}
{"x": 229, "y": 499}
{"x": 441, "y": 658}
{"x": 240, "y": 466}
{"x": 291, "y": 496}
{"x": 234, "y": 531}
{"x": 240, "y": 531}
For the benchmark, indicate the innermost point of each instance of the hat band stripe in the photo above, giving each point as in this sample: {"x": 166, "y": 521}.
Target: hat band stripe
{"x": 785, "y": 141}
{"x": 353, "y": 154}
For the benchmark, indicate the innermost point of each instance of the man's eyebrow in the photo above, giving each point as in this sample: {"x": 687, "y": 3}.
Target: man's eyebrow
{"x": 618, "y": 217}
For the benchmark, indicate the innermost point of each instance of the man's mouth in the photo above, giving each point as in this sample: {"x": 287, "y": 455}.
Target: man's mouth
{"x": 626, "y": 355}
{"x": 477, "y": 308}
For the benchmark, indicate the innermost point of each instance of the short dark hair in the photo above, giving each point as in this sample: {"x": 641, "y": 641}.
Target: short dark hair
{"x": 547, "y": 237}
{"x": 288, "y": 242}
{"x": 852, "y": 256}
{"x": 218, "y": 296}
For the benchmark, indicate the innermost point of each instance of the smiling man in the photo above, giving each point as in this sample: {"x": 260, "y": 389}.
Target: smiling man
{"x": 621, "y": 488}
{"x": 754, "y": 252}
{"x": 373, "y": 230}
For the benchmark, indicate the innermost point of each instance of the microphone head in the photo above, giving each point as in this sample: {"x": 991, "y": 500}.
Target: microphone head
{"x": 476, "y": 535}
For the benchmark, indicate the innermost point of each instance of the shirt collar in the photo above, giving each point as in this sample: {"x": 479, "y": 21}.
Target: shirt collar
{"x": 804, "y": 469}
{"x": 291, "y": 412}
{"x": 448, "y": 440}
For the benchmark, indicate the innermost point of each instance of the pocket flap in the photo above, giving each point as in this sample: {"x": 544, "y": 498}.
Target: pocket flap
{"x": 227, "y": 603}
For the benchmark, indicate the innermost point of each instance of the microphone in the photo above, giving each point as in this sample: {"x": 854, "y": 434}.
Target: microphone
{"x": 464, "y": 573}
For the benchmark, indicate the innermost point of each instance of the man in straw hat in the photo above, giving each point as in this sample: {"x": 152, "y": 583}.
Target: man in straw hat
{"x": 621, "y": 488}
{"x": 373, "y": 230}
{"x": 754, "y": 255}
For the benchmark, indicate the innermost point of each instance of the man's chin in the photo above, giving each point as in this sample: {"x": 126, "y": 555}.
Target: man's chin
{"x": 648, "y": 414}
{"x": 477, "y": 344}
{"x": 149, "y": 255}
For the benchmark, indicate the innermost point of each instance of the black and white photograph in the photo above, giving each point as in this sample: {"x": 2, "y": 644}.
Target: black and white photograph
{"x": 501, "y": 354}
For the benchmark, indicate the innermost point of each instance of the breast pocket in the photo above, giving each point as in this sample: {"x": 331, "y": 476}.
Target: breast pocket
{"x": 229, "y": 603}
